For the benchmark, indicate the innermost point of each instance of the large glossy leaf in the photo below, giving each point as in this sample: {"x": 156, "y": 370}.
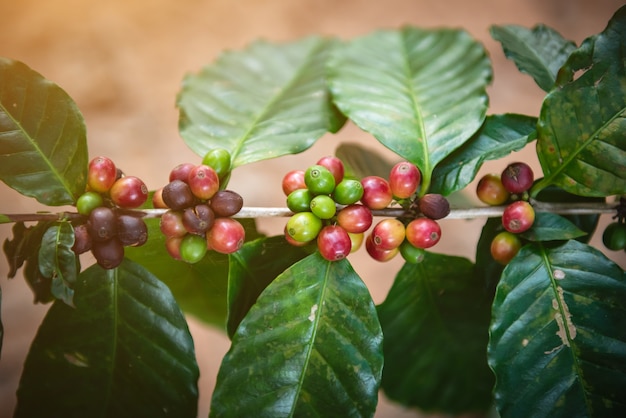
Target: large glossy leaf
{"x": 552, "y": 227}
{"x": 499, "y": 136}
{"x": 581, "y": 143}
{"x": 540, "y": 52}
{"x": 262, "y": 102}
{"x": 43, "y": 146}
{"x": 58, "y": 262}
{"x": 435, "y": 321}
{"x": 310, "y": 346}
{"x": 421, "y": 93}
{"x": 252, "y": 269}
{"x": 124, "y": 351}
{"x": 360, "y": 161}
{"x": 200, "y": 289}
{"x": 558, "y": 335}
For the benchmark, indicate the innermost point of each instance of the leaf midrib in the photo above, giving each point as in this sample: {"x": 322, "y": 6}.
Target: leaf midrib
{"x": 113, "y": 275}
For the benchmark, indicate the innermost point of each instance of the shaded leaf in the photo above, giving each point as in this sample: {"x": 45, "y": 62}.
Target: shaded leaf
{"x": 310, "y": 346}
{"x": 124, "y": 351}
{"x": 1, "y": 326}
{"x": 435, "y": 320}
{"x": 498, "y": 137}
{"x": 421, "y": 93}
{"x": 57, "y": 261}
{"x": 252, "y": 269}
{"x": 558, "y": 334}
{"x": 262, "y": 102}
{"x": 552, "y": 227}
{"x": 581, "y": 127}
{"x": 539, "y": 52}
{"x": 360, "y": 162}
{"x": 488, "y": 269}
{"x": 43, "y": 146}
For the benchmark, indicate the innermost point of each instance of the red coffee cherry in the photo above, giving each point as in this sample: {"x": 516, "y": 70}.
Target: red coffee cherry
{"x": 172, "y": 245}
{"x": 517, "y": 177}
{"x": 355, "y": 218}
{"x": 101, "y": 174}
{"x": 171, "y": 224}
{"x": 82, "y": 239}
{"x": 404, "y": 179}
{"x": 423, "y": 232}
{"x": 491, "y": 191}
{"x": 376, "y": 192}
{"x": 333, "y": 243}
{"x": 293, "y": 181}
{"x": 388, "y": 234}
{"x": 226, "y": 236}
{"x": 181, "y": 172}
{"x": 518, "y": 217}
{"x": 378, "y": 253}
{"x": 334, "y": 165}
{"x": 505, "y": 246}
{"x": 129, "y": 192}
{"x": 203, "y": 182}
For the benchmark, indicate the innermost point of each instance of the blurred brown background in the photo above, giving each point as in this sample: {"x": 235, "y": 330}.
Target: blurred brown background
{"x": 122, "y": 62}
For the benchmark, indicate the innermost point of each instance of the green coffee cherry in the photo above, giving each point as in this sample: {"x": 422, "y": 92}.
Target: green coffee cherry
{"x": 219, "y": 160}
{"x": 614, "y": 236}
{"x": 347, "y": 192}
{"x": 411, "y": 253}
{"x": 193, "y": 248}
{"x": 304, "y": 226}
{"x": 319, "y": 180}
{"x": 323, "y": 206}
{"x": 88, "y": 201}
{"x": 299, "y": 200}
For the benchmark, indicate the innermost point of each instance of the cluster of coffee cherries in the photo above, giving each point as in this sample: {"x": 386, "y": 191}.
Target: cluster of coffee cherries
{"x": 109, "y": 228}
{"x": 510, "y": 188}
{"x": 336, "y": 212}
{"x": 199, "y": 215}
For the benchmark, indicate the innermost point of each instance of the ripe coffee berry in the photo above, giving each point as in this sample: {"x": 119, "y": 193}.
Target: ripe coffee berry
{"x": 491, "y": 191}
{"x": 226, "y": 236}
{"x": 157, "y": 199}
{"x": 355, "y": 218}
{"x": 102, "y": 224}
{"x": 378, "y": 253}
{"x": 376, "y": 192}
{"x": 171, "y": 224}
{"x": 198, "y": 219}
{"x": 356, "y": 240}
{"x": 505, "y": 246}
{"x": 177, "y": 195}
{"x": 333, "y": 243}
{"x": 172, "y": 245}
{"x": 101, "y": 174}
{"x": 181, "y": 172}
{"x": 131, "y": 230}
{"x": 129, "y": 192}
{"x": 423, "y": 232}
{"x": 404, "y": 179}
{"x": 292, "y": 181}
{"x": 109, "y": 254}
{"x": 203, "y": 182}
{"x": 517, "y": 177}
{"x": 434, "y": 206}
{"x": 388, "y": 233}
{"x": 226, "y": 203}
{"x": 319, "y": 180}
{"x": 518, "y": 217}
{"x": 82, "y": 239}
{"x": 334, "y": 165}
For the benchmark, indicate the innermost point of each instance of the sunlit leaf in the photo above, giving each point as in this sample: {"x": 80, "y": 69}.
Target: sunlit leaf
{"x": 124, "y": 351}
{"x": 558, "y": 334}
{"x": 581, "y": 144}
{"x": 262, "y": 102}
{"x": 310, "y": 346}
{"x": 43, "y": 146}
{"x": 540, "y": 52}
{"x": 435, "y": 320}
{"x": 421, "y": 93}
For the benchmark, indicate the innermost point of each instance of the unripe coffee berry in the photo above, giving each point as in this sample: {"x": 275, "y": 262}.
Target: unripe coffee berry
{"x": 299, "y": 200}
{"x": 348, "y": 191}
{"x": 518, "y": 217}
{"x": 404, "y": 179}
{"x": 319, "y": 180}
{"x": 323, "y": 207}
{"x": 88, "y": 201}
{"x": 505, "y": 246}
{"x": 192, "y": 248}
{"x": 411, "y": 253}
{"x": 219, "y": 160}
{"x": 491, "y": 191}
{"x": 517, "y": 177}
{"x": 304, "y": 226}
{"x": 423, "y": 232}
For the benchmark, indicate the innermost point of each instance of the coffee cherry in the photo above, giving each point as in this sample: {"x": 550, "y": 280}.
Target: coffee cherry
{"x": 172, "y": 245}
{"x": 192, "y": 248}
{"x": 491, "y": 191}
{"x": 226, "y": 236}
{"x": 518, "y": 217}
{"x": 109, "y": 254}
{"x": 356, "y": 240}
{"x": 614, "y": 236}
{"x": 378, "y": 253}
{"x": 333, "y": 243}
{"x": 299, "y": 200}
{"x": 157, "y": 199}
{"x": 434, "y": 206}
{"x": 203, "y": 182}
{"x": 181, "y": 172}
{"x": 131, "y": 230}
{"x": 517, "y": 177}
{"x": 304, "y": 226}
{"x": 319, "y": 180}
{"x": 388, "y": 233}
{"x": 226, "y": 203}
{"x": 101, "y": 174}
{"x": 376, "y": 192}
{"x": 355, "y": 218}
{"x": 219, "y": 160}
{"x": 198, "y": 219}
{"x": 323, "y": 206}
{"x": 404, "y": 178}
{"x": 423, "y": 232}
{"x": 334, "y": 165}
{"x": 292, "y": 241}
{"x": 82, "y": 239}
{"x": 348, "y": 191}
{"x": 411, "y": 253}
{"x": 505, "y": 246}
{"x": 171, "y": 224}
{"x": 102, "y": 224}
{"x": 177, "y": 195}
{"x": 292, "y": 181}
{"x": 88, "y": 201}
{"x": 129, "y": 192}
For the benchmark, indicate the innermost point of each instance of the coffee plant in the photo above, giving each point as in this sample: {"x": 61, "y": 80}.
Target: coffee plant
{"x": 535, "y": 325}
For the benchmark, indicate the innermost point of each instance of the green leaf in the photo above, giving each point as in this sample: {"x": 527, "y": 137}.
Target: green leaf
{"x": 499, "y": 136}
{"x": 262, "y": 102}
{"x": 58, "y": 262}
{"x": 435, "y": 320}
{"x": 252, "y": 269}
{"x": 4, "y": 219}
{"x": 43, "y": 146}
{"x": 558, "y": 334}
{"x": 200, "y": 289}
{"x": 552, "y": 227}
{"x": 124, "y": 351}
{"x": 539, "y": 52}
{"x": 421, "y": 93}
{"x": 486, "y": 267}
{"x": 360, "y": 161}
{"x": 581, "y": 127}
{"x": 310, "y": 346}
